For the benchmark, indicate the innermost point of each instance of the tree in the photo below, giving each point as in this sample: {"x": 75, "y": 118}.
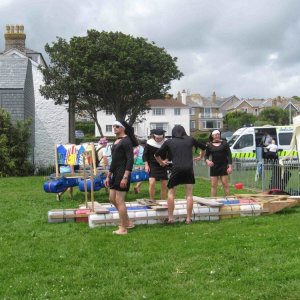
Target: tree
{"x": 237, "y": 119}
{"x": 109, "y": 70}
{"x": 274, "y": 116}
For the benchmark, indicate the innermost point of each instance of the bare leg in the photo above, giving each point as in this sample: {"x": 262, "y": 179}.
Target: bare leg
{"x": 121, "y": 207}
{"x": 214, "y": 185}
{"x": 163, "y": 190}
{"x": 112, "y": 197}
{"x": 225, "y": 185}
{"x": 189, "y": 202}
{"x": 171, "y": 205}
{"x": 137, "y": 187}
{"x": 151, "y": 188}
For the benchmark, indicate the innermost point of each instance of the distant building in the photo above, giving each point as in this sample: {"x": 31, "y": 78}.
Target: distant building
{"x": 163, "y": 114}
{"x": 20, "y": 80}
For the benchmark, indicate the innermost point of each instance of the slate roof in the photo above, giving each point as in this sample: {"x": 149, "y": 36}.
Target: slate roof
{"x": 166, "y": 103}
{"x": 13, "y": 72}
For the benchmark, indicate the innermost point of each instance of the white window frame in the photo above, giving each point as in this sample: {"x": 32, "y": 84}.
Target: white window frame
{"x": 158, "y": 111}
{"x": 108, "y": 128}
{"x": 177, "y": 111}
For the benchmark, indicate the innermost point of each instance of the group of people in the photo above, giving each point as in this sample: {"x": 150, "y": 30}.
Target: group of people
{"x": 161, "y": 155}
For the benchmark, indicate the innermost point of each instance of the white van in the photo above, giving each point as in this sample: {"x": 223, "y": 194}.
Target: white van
{"x": 244, "y": 141}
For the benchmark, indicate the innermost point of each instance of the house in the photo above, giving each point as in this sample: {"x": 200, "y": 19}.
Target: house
{"x": 20, "y": 80}
{"x": 163, "y": 114}
{"x": 206, "y": 113}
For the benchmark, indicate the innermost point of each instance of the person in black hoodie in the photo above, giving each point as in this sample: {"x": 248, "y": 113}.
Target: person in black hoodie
{"x": 179, "y": 150}
{"x": 118, "y": 177}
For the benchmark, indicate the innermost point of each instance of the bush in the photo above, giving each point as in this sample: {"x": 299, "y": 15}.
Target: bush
{"x": 88, "y": 127}
{"x": 14, "y": 147}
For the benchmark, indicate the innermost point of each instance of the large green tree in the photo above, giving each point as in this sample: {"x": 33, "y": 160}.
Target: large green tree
{"x": 108, "y": 70}
{"x": 274, "y": 116}
{"x": 237, "y": 119}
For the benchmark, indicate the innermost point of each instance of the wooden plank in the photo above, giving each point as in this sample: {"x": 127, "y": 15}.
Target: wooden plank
{"x": 207, "y": 202}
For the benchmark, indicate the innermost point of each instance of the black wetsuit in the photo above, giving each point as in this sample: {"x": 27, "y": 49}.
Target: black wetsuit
{"x": 156, "y": 171}
{"x": 220, "y": 156}
{"x": 180, "y": 151}
{"x": 122, "y": 160}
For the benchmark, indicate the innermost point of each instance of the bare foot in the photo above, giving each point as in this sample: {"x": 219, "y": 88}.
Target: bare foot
{"x": 120, "y": 232}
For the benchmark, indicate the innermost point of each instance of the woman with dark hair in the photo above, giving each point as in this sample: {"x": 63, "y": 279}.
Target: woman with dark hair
{"x": 155, "y": 170}
{"x": 179, "y": 150}
{"x": 118, "y": 177}
{"x": 218, "y": 157}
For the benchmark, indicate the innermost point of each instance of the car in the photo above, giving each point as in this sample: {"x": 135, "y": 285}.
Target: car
{"x": 79, "y": 134}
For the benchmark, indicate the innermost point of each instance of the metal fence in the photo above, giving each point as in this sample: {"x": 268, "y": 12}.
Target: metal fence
{"x": 261, "y": 176}
{"x": 252, "y": 174}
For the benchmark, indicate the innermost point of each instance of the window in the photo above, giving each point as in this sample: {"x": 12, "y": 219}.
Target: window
{"x": 108, "y": 112}
{"x": 193, "y": 124}
{"x": 207, "y": 111}
{"x": 177, "y": 111}
{"x": 245, "y": 141}
{"x": 285, "y": 138}
{"x": 108, "y": 128}
{"x": 163, "y": 126}
{"x": 158, "y": 111}
{"x": 192, "y": 111}
{"x": 210, "y": 124}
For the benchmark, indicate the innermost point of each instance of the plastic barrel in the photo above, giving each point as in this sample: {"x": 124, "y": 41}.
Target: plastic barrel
{"x": 54, "y": 186}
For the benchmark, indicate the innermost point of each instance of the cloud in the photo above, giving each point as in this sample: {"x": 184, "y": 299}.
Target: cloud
{"x": 241, "y": 47}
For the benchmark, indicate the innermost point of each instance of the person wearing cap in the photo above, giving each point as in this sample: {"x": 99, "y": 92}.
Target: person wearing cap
{"x": 218, "y": 157}
{"x": 118, "y": 177}
{"x": 156, "y": 171}
{"x": 179, "y": 150}
{"x": 102, "y": 160}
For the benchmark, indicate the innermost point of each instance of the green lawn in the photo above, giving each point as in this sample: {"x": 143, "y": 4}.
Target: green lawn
{"x": 241, "y": 258}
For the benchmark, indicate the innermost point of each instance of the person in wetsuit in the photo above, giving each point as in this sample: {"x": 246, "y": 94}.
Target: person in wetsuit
{"x": 118, "y": 177}
{"x": 218, "y": 157}
{"x": 179, "y": 150}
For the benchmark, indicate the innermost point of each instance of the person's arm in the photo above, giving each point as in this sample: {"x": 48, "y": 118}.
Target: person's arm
{"x": 162, "y": 152}
{"x": 207, "y": 155}
{"x": 229, "y": 158}
{"x": 202, "y": 146}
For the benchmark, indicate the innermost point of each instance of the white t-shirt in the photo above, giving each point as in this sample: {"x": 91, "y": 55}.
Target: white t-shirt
{"x": 272, "y": 147}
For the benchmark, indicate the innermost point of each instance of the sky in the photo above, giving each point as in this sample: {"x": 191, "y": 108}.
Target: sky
{"x": 247, "y": 48}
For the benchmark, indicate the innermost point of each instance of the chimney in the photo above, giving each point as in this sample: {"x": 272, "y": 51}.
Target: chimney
{"x": 183, "y": 97}
{"x": 214, "y": 97}
{"x": 179, "y": 97}
{"x": 15, "y": 37}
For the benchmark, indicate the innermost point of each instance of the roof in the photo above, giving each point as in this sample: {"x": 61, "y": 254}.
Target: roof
{"x": 166, "y": 103}
{"x": 13, "y": 72}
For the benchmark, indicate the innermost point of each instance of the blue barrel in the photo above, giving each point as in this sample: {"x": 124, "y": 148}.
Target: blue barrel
{"x": 98, "y": 184}
{"x": 54, "y": 186}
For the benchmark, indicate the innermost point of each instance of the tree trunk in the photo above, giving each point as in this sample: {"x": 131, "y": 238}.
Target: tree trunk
{"x": 72, "y": 120}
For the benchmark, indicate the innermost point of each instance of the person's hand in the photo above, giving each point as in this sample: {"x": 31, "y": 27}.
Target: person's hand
{"x": 209, "y": 163}
{"x": 164, "y": 163}
{"x": 147, "y": 169}
{"x": 107, "y": 181}
{"x": 123, "y": 182}
{"x": 229, "y": 169}
{"x": 198, "y": 158}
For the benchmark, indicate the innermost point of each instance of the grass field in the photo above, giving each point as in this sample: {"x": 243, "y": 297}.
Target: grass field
{"x": 241, "y": 258}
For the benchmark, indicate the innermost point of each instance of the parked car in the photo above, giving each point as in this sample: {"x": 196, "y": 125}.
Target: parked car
{"x": 79, "y": 134}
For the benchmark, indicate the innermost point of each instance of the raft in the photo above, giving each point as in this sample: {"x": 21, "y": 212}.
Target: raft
{"x": 144, "y": 211}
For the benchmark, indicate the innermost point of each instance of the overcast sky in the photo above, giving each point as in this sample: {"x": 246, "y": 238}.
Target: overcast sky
{"x": 247, "y": 48}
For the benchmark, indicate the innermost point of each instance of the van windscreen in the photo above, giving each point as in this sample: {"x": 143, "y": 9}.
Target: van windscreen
{"x": 232, "y": 140}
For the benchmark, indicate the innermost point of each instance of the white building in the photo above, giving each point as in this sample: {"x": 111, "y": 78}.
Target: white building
{"x": 164, "y": 114}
